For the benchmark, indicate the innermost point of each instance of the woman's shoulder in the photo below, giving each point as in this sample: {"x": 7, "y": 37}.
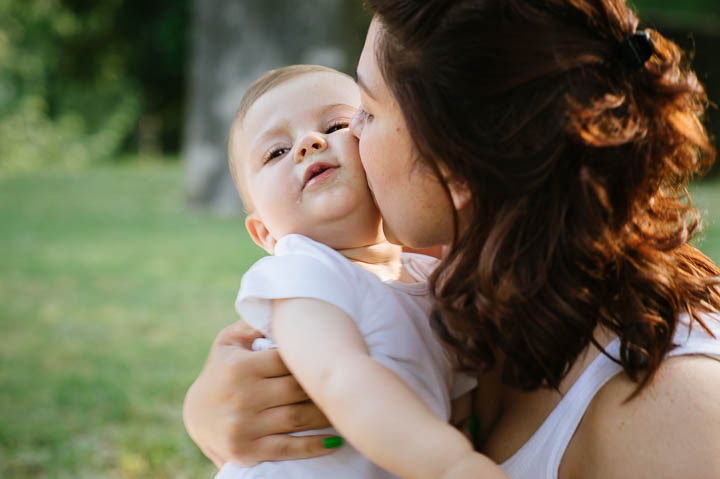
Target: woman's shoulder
{"x": 670, "y": 429}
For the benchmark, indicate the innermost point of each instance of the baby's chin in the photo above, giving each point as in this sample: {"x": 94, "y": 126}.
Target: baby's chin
{"x": 367, "y": 238}
{"x": 352, "y": 234}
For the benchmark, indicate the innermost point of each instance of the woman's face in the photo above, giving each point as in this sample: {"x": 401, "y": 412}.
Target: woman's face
{"x": 415, "y": 209}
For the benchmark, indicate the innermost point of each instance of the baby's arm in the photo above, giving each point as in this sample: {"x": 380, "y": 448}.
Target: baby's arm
{"x": 378, "y": 413}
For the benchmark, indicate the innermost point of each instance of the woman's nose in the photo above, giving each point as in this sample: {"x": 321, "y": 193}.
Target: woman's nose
{"x": 356, "y": 124}
{"x": 310, "y": 144}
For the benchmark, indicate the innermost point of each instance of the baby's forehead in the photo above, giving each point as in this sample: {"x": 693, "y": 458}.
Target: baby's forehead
{"x": 305, "y": 97}
{"x": 311, "y": 88}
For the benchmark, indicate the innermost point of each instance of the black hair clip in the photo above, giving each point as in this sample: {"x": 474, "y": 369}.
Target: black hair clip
{"x": 636, "y": 49}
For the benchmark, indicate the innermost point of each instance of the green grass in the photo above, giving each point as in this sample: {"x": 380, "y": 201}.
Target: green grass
{"x": 111, "y": 291}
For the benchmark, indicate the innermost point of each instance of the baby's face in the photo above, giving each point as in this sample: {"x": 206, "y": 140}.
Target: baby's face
{"x": 301, "y": 166}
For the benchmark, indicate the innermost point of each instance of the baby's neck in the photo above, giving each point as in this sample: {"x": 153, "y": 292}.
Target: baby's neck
{"x": 381, "y": 259}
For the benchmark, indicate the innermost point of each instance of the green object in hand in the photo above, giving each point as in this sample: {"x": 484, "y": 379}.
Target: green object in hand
{"x": 332, "y": 442}
{"x": 473, "y": 428}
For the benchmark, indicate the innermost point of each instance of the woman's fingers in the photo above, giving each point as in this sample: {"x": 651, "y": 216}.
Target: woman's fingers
{"x": 242, "y": 402}
{"x": 282, "y": 447}
{"x": 237, "y": 333}
{"x": 267, "y": 364}
{"x": 292, "y": 418}
{"x": 280, "y": 391}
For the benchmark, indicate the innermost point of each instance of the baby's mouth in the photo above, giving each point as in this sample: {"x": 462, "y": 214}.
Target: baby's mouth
{"x": 317, "y": 172}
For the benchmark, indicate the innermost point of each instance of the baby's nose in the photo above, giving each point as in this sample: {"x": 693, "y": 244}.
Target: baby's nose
{"x": 310, "y": 144}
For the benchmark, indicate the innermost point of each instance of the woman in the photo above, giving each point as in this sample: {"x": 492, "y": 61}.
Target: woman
{"x": 547, "y": 145}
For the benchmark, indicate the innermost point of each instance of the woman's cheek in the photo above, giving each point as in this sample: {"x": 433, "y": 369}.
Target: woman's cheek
{"x": 367, "y": 155}
{"x": 362, "y": 151}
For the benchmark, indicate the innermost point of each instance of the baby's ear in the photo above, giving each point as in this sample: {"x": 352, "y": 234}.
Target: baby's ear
{"x": 259, "y": 233}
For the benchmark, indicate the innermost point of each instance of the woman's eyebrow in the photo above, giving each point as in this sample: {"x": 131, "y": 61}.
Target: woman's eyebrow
{"x": 363, "y": 85}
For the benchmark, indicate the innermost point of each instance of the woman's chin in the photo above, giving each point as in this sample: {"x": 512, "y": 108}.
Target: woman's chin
{"x": 389, "y": 234}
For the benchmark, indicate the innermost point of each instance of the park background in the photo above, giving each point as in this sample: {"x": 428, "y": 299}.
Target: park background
{"x": 121, "y": 239}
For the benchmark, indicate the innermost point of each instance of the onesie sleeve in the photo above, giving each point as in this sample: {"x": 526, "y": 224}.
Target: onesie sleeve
{"x": 462, "y": 384}
{"x": 292, "y": 276}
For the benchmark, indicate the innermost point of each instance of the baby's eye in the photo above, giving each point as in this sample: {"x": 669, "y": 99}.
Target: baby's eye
{"x": 275, "y": 153}
{"x": 337, "y": 126}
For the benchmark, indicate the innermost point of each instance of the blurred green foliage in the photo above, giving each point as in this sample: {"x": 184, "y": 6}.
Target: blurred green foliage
{"x": 694, "y": 6}
{"x": 78, "y": 77}
{"x": 83, "y": 80}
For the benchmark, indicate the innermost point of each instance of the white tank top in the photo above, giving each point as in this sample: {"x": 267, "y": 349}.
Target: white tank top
{"x": 541, "y": 455}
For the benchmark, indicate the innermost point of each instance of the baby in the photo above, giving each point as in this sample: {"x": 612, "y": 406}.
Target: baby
{"x": 347, "y": 310}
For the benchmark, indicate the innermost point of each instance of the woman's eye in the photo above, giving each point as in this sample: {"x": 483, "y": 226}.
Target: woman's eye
{"x": 337, "y": 126}
{"x": 363, "y": 115}
{"x": 276, "y": 153}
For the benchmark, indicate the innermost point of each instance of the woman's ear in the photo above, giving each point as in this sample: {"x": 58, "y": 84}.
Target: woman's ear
{"x": 259, "y": 233}
{"x": 460, "y": 194}
{"x": 459, "y": 191}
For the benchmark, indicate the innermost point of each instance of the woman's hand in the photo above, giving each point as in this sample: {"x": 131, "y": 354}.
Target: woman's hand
{"x": 243, "y": 403}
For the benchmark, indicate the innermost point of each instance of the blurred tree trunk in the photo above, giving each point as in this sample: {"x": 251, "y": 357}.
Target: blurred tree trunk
{"x": 235, "y": 41}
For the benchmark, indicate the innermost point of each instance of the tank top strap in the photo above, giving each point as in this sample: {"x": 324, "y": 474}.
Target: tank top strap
{"x": 541, "y": 455}
{"x": 693, "y": 338}
{"x": 578, "y": 399}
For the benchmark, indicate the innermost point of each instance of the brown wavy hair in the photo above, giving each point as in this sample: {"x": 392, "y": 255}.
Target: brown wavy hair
{"x": 578, "y": 168}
